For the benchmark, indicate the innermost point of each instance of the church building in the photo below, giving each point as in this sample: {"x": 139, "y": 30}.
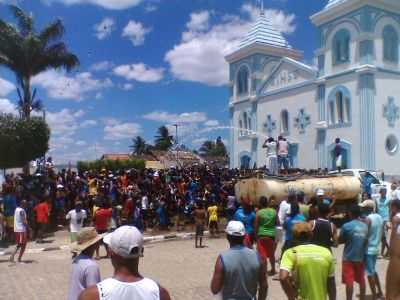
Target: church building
{"x": 352, "y": 92}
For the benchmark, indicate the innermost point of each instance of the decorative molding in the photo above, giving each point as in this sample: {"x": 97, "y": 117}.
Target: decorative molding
{"x": 302, "y": 120}
{"x": 367, "y": 121}
{"x": 270, "y": 125}
{"x": 391, "y": 112}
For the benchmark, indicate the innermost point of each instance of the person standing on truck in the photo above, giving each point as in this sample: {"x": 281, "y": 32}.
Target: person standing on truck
{"x": 338, "y": 155}
{"x": 283, "y": 154}
{"x": 272, "y": 159}
{"x": 382, "y": 207}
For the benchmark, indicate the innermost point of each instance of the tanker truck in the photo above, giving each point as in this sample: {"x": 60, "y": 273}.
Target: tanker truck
{"x": 347, "y": 189}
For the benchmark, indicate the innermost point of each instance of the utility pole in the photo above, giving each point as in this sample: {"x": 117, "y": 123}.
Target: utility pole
{"x": 176, "y": 143}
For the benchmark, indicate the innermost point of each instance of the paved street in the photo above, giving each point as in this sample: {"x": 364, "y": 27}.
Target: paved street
{"x": 177, "y": 265}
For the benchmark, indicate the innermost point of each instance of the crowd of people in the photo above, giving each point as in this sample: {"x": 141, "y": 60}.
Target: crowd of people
{"x": 127, "y": 203}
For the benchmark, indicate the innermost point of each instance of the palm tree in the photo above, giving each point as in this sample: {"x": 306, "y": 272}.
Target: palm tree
{"x": 163, "y": 140}
{"x": 139, "y": 146}
{"x": 207, "y": 148}
{"x": 27, "y": 53}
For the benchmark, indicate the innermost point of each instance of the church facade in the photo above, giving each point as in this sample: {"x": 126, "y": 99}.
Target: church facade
{"x": 353, "y": 92}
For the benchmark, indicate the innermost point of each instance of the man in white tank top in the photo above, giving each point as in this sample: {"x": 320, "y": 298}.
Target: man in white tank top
{"x": 21, "y": 231}
{"x": 126, "y": 246}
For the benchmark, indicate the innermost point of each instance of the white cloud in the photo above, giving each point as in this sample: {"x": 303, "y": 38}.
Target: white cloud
{"x": 163, "y": 116}
{"x": 136, "y": 32}
{"x": 121, "y": 131}
{"x": 102, "y": 66}
{"x": 80, "y": 143}
{"x": 88, "y": 123}
{"x": 6, "y": 87}
{"x": 199, "y": 21}
{"x": 187, "y": 59}
{"x": 64, "y": 122}
{"x": 7, "y": 107}
{"x": 127, "y": 86}
{"x": 61, "y": 86}
{"x": 198, "y": 142}
{"x": 211, "y": 123}
{"x": 110, "y": 121}
{"x": 139, "y": 72}
{"x": 108, "y": 4}
{"x": 104, "y": 28}
{"x": 150, "y": 8}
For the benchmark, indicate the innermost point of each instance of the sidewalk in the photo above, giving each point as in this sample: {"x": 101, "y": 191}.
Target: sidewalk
{"x": 60, "y": 241}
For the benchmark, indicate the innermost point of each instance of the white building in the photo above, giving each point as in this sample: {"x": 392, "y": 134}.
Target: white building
{"x": 353, "y": 94}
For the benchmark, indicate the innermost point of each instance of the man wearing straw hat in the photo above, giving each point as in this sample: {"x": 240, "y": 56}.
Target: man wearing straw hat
{"x": 85, "y": 271}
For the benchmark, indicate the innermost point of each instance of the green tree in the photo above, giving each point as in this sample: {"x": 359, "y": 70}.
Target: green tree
{"x": 207, "y": 148}
{"x": 220, "y": 149}
{"x": 211, "y": 148}
{"x": 22, "y": 141}
{"x": 163, "y": 140}
{"x": 27, "y": 52}
{"x": 139, "y": 146}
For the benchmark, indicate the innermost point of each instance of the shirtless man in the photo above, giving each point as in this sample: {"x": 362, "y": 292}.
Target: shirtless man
{"x": 200, "y": 216}
{"x": 393, "y": 274}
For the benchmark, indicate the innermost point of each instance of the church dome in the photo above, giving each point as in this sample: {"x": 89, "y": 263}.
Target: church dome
{"x": 263, "y": 32}
{"x": 333, "y": 3}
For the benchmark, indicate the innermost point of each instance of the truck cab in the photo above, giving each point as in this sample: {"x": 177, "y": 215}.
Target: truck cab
{"x": 372, "y": 181}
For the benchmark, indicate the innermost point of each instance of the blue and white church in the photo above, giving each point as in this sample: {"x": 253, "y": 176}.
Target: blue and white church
{"x": 353, "y": 92}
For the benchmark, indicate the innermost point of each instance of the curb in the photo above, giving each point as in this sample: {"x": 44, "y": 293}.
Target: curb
{"x": 147, "y": 240}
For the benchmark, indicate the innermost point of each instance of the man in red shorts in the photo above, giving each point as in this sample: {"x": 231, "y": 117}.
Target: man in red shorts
{"x": 102, "y": 219}
{"x": 265, "y": 230}
{"x": 21, "y": 230}
{"x": 354, "y": 235}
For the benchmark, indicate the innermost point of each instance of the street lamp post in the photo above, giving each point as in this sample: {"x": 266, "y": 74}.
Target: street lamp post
{"x": 176, "y": 143}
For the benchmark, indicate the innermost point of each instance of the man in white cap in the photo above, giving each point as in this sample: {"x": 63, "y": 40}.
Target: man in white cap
{"x": 239, "y": 271}
{"x": 85, "y": 271}
{"x": 126, "y": 246}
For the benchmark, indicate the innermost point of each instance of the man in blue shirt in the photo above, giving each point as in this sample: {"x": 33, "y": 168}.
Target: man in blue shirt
{"x": 374, "y": 223}
{"x": 382, "y": 208}
{"x": 354, "y": 235}
{"x": 9, "y": 204}
{"x": 247, "y": 216}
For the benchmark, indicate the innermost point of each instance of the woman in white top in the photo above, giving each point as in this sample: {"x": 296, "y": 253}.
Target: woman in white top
{"x": 272, "y": 158}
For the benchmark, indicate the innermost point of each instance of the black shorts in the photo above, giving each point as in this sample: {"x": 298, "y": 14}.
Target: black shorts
{"x": 213, "y": 225}
{"x": 199, "y": 230}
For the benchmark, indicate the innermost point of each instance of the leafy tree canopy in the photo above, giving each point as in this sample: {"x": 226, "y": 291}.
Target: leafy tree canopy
{"x": 22, "y": 141}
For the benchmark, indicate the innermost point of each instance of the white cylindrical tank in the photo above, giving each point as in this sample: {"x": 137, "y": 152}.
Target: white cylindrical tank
{"x": 342, "y": 187}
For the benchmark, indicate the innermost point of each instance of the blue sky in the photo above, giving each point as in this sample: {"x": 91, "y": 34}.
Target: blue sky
{"x": 146, "y": 63}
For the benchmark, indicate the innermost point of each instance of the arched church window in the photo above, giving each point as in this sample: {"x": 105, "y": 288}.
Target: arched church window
{"x": 240, "y": 128}
{"x": 341, "y": 47}
{"x": 390, "y": 44}
{"x": 243, "y": 81}
{"x": 339, "y": 109}
{"x": 284, "y": 121}
{"x": 245, "y": 120}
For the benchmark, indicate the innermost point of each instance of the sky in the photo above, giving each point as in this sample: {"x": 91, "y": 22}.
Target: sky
{"x": 144, "y": 64}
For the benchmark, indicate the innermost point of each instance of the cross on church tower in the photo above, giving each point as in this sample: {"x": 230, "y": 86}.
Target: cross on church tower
{"x": 391, "y": 112}
{"x": 261, "y": 3}
{"x": 302, "y": 121}
{"x": 270, "y": 125}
